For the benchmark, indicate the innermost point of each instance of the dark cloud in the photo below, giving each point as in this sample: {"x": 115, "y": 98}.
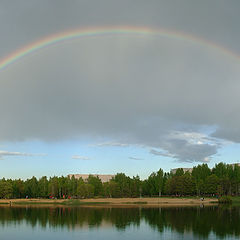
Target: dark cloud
{"x": 123, "y": 89}
{"x": 160, "y": 153}
{"x": 183, "y": 151}
{"x": 27, "y": 20}
{"x": 229, "y": 132}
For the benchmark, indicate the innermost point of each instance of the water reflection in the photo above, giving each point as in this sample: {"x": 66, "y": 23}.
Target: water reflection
{"x": 200, "y": 222}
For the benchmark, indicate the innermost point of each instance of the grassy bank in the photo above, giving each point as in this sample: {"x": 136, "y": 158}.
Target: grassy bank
{"x": 66, "y": 202}
{"x": 235, "y": 200}
{"x": 112, "y": 201}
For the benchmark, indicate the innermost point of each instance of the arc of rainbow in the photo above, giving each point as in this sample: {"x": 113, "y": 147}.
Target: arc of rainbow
{"x": 122, "y": 30}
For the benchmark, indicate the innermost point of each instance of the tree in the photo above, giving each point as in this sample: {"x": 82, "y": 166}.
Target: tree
{"x": 160, "y": 181}
{"x": 135, "y": 186}
{"x": 223, "y": 172}
{"x": 72, "y": 185}
{"x": 123, "y": 183}
{"x": 31, "y": 187}
{"x": 179, "y": 172}
{"x": 43, "y": 187}
{"x": 155, "y": 183}
{"x": 189, "y": 187}
{"x": 6, "y": 189}
{"x": 85, "y": 190}
{"x": 18, "y": 188}
{"x": 200, "y": 174}
{"x": 96, "y": 183}
{"x": 53, "y": 187}
{"x": 220, "y": 170}
{"x": 81, "y": 191}
{"x": 236, "y": 179}
{"x": 212, "y": 184}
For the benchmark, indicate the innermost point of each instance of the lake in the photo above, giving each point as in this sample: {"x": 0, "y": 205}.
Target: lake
{"x": 119, "y": 223}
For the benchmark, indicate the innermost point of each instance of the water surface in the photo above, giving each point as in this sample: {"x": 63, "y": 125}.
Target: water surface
{"x": 119, "y": 223}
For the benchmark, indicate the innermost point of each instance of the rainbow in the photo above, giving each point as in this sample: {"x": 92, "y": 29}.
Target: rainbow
{"x": 103, "y": 31}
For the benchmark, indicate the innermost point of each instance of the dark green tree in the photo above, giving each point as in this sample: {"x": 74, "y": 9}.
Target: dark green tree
{"x": 97, "y": 184}
{"x": 6, "y": 189}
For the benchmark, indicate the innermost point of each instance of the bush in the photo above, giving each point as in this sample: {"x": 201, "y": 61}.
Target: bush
{"x": 225, "y": 199}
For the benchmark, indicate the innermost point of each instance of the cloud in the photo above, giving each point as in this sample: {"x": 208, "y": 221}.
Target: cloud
{"x": 80, "y": 157}
{"x": 151, "y": 91}
{"x": 228, "y": 133}
{"x": 193, "y": 137}
{"x": 185, "y": 152}
{"x": 111, "y": 144}
{"x": 92, "y": 105}
{"x": 160, "y": 153}
{"x": 188, "y": 146}
{"x": 18, "y": 154}
{"x": 135, "y": 158}
{"x": 206, "y": 160}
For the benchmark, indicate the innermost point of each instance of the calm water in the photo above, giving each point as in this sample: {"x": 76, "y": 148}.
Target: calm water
{"x": 119, "y": 223}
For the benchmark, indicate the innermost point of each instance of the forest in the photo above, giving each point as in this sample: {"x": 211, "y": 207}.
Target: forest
{"x": 223, "y": 179}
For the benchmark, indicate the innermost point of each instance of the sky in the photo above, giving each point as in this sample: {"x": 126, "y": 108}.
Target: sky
{"x": 119, "y": 101}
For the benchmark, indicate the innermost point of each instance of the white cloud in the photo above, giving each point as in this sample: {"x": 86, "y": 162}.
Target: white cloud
{"x": 206, "y": 159}
{"x": 18, "y": 154}
{"x": 193, "y": 137}
{"x": 80, "y": 157}
{"x": 136, "y": 158}
{"x": 111, "y": 144}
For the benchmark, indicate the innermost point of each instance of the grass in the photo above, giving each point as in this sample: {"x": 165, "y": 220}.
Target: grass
{"x": 118, "y": 201}
{"x": 33, "y": 203}
{"x": 134, "y": 202}
{"x": 235, "y": 200}
{"x": 181, "y": 197}
{"x": 78, "y": 202}
{"x": 225, "y": 200}
{"x": 66, "y": 202}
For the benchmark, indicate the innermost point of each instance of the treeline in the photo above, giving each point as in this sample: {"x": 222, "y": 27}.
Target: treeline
{"x": 223, "y": 179}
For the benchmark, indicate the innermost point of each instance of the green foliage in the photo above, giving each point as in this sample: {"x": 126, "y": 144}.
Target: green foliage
{"x": 154, "y": 185}
{"x": 211, "y": 185}
{"x": 85, "y": 190}
{"x": 31, "y": 187}
{"x": 18, "y": 188}
{"x": 225, "y": 200}
{"x": 96, "y": 183}
{"x": 200, "y": 174}
{"x": 220, "y": 170}
{"x": 179, "y": 172}
{"x": 43, "y": 187}
{"x": 6, "y": 189}
{"x": 135, "y": 186}
{"x": 123, "y": 183}
{"x": 53, "y": 187}
{"x": 181, "y": 185}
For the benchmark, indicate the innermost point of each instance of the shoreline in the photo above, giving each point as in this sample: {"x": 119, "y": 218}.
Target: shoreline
{"x": 101, "y": 202}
